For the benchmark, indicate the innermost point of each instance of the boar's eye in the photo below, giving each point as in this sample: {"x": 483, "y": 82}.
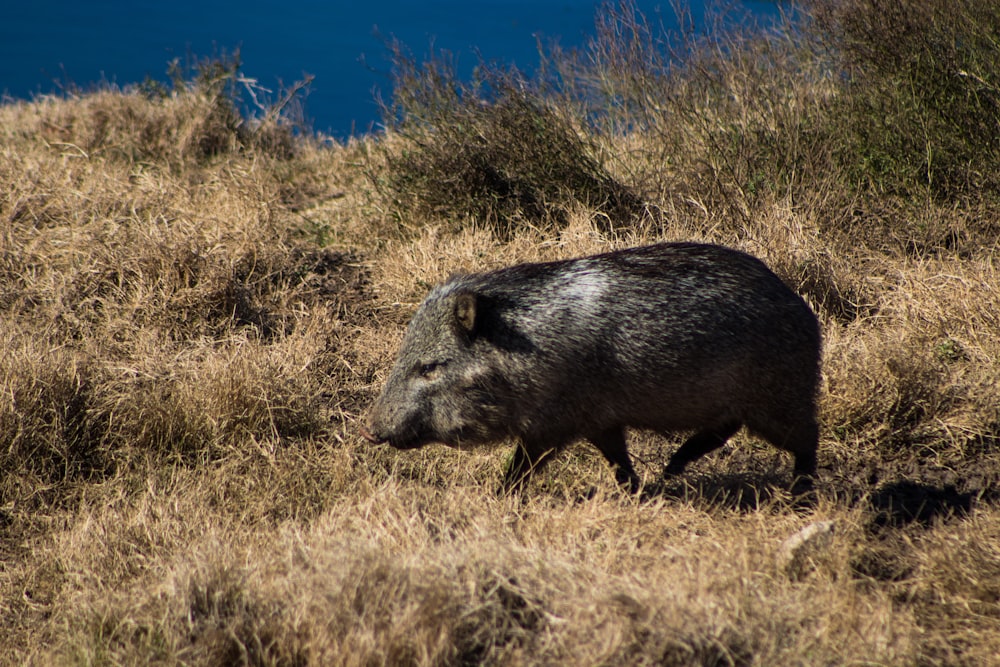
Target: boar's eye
{"x": 430, "y": 369}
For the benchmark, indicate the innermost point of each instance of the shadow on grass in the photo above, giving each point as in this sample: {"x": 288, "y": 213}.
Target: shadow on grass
{"x": 904, "y": 503}
{"x": 894, "y": 505}
{"x": 738, "y": 491}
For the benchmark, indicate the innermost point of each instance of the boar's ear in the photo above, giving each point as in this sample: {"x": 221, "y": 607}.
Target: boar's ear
{"x": 465, "y": 312}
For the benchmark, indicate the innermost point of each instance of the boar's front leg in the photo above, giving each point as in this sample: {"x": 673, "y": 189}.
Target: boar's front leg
{"x": 529, "y": 455}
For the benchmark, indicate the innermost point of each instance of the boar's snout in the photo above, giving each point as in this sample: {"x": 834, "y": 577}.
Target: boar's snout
{"x": 373, "y": 428}
{"x": 380, "y": 430}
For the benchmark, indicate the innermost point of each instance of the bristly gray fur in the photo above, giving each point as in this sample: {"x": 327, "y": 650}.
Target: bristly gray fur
{"x": 674, "y": 336}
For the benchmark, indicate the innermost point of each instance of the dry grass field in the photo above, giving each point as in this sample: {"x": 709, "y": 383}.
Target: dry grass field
{"x": 197, "y": 307}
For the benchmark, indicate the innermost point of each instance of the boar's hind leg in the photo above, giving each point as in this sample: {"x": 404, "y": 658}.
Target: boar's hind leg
{"x": 698, "y": 445}
{"x": 612, "y": 444}
{"x": 800, "y": 438}
{"x": 528, "y": 456}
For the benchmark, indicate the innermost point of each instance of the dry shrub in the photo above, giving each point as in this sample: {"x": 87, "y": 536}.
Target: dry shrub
{"x": 874, "y": 113}
{"x": 716, "y": 122}
{"x": 922, "y": 101}
{"x": 491, "y": 154}
{"x": 192, "y": 123}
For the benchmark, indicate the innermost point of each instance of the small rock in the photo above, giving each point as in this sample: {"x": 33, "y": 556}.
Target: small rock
{"x": 799, "y": 552}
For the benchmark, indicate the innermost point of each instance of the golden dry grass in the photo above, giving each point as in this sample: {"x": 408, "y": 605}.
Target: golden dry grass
{"x": 195, "y": 313}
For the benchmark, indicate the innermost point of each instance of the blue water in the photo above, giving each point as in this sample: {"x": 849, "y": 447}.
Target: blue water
{"x": 51, "y": 45}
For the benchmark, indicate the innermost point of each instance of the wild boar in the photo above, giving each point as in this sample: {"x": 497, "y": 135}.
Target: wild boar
{"x": 668, "y": 337}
